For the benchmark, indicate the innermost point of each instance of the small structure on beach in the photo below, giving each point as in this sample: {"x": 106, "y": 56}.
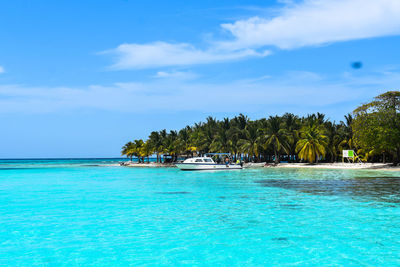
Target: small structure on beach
{"x": 350, "y": 155}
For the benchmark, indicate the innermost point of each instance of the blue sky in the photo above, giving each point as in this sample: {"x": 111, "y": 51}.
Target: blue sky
{"x": 80, "y": 78}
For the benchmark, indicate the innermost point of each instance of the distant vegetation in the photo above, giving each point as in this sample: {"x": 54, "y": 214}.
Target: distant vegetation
{"x": 372, "y": 131}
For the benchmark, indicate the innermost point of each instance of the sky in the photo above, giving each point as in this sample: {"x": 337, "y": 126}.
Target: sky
{"x": 81, "y": 78}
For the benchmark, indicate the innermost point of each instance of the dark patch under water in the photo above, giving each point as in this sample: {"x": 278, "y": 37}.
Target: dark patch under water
{"x": 279, "y": 239}
{"x": 290, "y": 206}
{"x": 173, "y": 193}
{"x": 8, "y": 169}
{"x": 381, "y": 188}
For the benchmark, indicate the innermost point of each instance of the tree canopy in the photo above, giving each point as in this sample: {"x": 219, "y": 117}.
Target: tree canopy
{"x": 376, "y": 126}
{"x": 372, "y": 130}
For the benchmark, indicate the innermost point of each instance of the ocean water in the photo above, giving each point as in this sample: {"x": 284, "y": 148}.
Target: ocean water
{"x": 79, "y": 213}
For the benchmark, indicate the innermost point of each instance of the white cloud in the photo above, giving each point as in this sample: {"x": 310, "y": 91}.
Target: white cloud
{"x": 162, "y": 54}
{"x": 175, "y": 75}
{"x": 1, "y": 69}
{"x": 316, "y": 22}
{"x": 297, "y": 24}
{"x": 301, "y": 92}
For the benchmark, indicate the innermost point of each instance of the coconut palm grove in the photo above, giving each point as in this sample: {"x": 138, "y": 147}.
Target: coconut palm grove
{"x": 372, "y": 131}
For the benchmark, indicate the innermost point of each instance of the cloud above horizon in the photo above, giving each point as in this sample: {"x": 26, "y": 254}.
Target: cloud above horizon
{"x": 175, "y": 75}
{"x": 295, "y": 91}
{"x": 1, "y": 69}
{"x": 296, "y": 25}
{"x": 316, "y": 22}
{"x": 162, "y": 54}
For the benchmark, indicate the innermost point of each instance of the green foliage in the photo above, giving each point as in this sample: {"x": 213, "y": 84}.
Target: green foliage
{"x": 277, "y": 136}
{"x": 312, "y": 143}
{"x": 376, "y": 125}
{"x": 373, "y": 128}
{"x": 136, "y": 148}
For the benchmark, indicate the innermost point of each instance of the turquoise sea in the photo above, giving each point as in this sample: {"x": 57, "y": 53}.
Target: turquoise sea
{"x": 85, "y": 212}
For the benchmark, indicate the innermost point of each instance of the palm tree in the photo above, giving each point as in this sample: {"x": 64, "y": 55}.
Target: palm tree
{"x": 128, "y": 150}
{"x": 309, "y": 138}
{"x": 318, "y": 119}
{"x": 313, "y": 142}
{"x": 222, "y": 141}
{"x": 138, "y": 147}
{"x": 170, "y": 145}
{"x": 155, "y": 142}
{"x": 196, "y": 137}
{"x": 146, "y": 150}
{"x": 348, "y": 141}
{"x": 134, "y": 148}
{"x": 250, "y": 143}
{"x": 292, "y": 125}
{"x": 276, "y": 136}
{"x": 163, "y": 137}
{"x": 240, "y": 122}
{"x": 205, "y": 138}
{"x": 185, "y": 144}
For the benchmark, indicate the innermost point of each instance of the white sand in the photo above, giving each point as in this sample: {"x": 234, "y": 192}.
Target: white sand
{"x": 370, "y": 166}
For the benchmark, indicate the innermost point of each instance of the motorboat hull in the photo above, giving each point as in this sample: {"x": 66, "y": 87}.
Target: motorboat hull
{"x": 206, "y": 167}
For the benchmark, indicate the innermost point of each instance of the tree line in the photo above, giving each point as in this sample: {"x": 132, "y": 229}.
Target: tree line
{"x": 372, "y": 131}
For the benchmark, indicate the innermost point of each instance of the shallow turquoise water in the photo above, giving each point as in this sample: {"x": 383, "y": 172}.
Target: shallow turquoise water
{"x": 75, "y": 214}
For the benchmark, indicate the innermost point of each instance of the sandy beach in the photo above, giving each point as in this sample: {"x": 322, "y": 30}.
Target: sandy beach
{"x": 336, "y": 165}
{"x": 369, "y": 166}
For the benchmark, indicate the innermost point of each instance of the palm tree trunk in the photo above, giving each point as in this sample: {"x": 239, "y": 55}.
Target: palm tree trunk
{"x": 396, "y": 156}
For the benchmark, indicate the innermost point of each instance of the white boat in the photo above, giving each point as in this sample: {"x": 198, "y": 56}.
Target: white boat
{"x": 205, "y": 163}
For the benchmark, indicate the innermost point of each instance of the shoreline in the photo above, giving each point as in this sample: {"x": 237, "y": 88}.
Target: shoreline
{"x": 337, "y": 165}
{"x": 342, "y": 166}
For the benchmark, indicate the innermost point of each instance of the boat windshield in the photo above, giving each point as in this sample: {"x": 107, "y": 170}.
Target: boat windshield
{"x": 207, "y": 160}
{"x": 199, "y": 160}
